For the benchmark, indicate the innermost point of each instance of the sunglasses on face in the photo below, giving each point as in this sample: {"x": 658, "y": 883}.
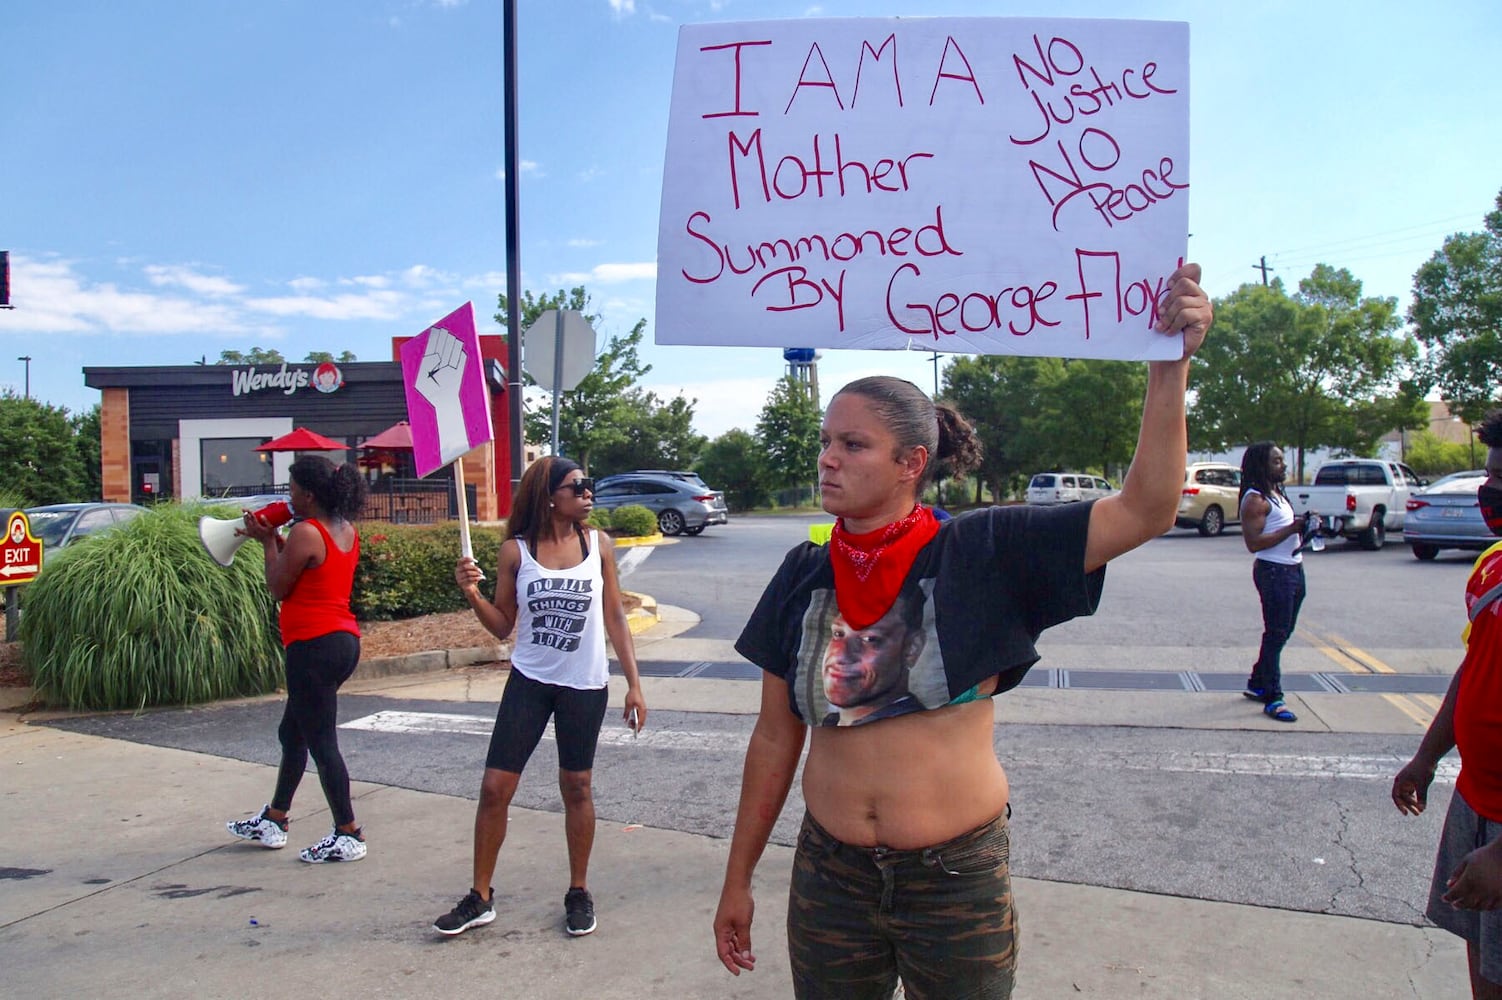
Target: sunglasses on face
{"x": 580, "y": 486}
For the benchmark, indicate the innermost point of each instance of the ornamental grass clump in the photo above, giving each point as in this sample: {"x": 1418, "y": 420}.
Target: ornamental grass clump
{"x": 141, "y": 615}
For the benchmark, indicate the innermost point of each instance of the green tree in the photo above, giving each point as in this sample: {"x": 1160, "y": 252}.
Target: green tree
{"x": 319, "y": 357}
{"x": 1002, "y": 395}
{"x": 1322, "y": 368}
{"x": 1457, "y": 315}
{"x": 86, "y": 448}
{"x": 657, "y": 435}
{"x": 595, "y": 413}
{"x": 734, "y": 464}
{"x": 1427, "y": 455}
{"x": 788, "y": 430}
{"x": 39, "y": 456}
{"x": 1111, "y": 393}
{"x": 255, "y": 356}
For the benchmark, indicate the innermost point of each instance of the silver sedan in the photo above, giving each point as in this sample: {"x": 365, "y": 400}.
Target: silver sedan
{"x": 1445, "y": 515}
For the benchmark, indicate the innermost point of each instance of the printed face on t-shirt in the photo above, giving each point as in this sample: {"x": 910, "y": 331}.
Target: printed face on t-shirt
{"x": 869, "y": 666}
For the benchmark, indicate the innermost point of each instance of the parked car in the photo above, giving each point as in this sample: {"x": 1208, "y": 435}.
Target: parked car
{"x": 1359, "y": 498}
{"x": 253, "y": 502}
{"x": 1211, "y": 498}
{"x": 61, "y": 524}
{"x": 1445, "y": 515}
{"x": 1066, "y": 487}
{"x": 688, "y": 477}
{"x": 681, "y": 506}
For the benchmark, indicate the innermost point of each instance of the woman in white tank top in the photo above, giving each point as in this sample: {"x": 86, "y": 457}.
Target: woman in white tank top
{"x": 1272, "y": 533}
{"x": 557, "y": 588}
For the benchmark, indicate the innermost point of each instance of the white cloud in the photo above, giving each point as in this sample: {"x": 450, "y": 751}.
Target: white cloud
{"x": 527, "y": 168}
{"x": 50, "y": 297}
{"x": 581, "y": 242}
{"x": 607, "y": 274}
{"x": 422, "y": 276}
{"x": 722, "y": 404}
{"x": 55, "y": 296}
{"x": 184, "y": 277}
{"x": 372, "y": 305}
{"x": 623, "y": 8}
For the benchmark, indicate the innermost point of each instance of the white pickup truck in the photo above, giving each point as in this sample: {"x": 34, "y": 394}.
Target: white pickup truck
{"x": 1359, "y": 498}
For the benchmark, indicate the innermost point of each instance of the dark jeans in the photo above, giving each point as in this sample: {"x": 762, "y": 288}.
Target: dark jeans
{"x": 315, "y": 670}
{"x": 940, "y": 917}
{"x": 1281, "y": 588}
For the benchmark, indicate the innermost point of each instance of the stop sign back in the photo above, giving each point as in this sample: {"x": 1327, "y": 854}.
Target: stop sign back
{"x": 20, "y": 552}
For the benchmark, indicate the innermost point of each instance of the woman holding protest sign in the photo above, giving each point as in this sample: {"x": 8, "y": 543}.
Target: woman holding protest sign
{"x": 557, "y": 586}
{"x": 901, "y": 867}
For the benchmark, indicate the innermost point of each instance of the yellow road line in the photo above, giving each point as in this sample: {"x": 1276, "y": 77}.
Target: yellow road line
{"x": 1347, "y": 662}
{"x": 1361, "y": 656}
{"x": 1408, "y": 706}
{"x": 1420, "y": 708}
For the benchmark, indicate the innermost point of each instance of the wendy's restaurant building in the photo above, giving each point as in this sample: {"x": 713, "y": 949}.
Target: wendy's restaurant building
{"x": 192, "y": 431}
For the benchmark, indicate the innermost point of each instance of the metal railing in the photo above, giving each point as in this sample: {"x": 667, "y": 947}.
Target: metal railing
{"x": 398, "y": 500}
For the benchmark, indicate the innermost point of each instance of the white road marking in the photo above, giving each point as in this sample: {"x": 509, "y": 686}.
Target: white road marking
{"x": 417, "y": 723}
{"x": 1361, "y": 767}
{"x": 633, "y": 557}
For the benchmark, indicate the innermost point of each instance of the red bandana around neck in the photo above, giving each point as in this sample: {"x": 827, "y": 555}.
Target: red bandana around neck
{"x": 869, "y": 568}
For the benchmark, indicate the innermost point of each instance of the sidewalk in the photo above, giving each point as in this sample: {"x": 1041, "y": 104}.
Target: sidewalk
{"x": 118, "y": 877}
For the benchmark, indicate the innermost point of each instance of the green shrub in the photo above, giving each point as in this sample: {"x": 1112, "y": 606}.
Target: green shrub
{"x": 140, "y": 615}
{"x": 408, "y": 570}
{"x": 633, "y": 521}
{"x": 599, "y": 518}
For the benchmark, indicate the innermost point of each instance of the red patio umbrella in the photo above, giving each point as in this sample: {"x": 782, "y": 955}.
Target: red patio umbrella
{"x": 303, "y": 439}
{"x": 397, "y": 437}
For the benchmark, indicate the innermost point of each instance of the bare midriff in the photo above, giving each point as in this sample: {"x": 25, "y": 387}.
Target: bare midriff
{"x": 908, "y": 782}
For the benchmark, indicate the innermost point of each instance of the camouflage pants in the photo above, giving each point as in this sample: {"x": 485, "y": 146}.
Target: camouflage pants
{"x": 941, "y": 918}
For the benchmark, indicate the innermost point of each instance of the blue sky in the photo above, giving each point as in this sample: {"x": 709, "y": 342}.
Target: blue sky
{"x": 183, "y": 177}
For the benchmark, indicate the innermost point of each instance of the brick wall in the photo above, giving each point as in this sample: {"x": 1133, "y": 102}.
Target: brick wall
{"x": 114, "y": 445}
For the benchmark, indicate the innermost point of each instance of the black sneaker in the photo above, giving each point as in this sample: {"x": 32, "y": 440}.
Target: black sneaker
{"x": 472, "y": 911}
{"x": 579, "y": 906}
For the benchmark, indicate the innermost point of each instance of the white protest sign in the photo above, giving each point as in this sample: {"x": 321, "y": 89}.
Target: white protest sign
{"x": 982, "y": 185}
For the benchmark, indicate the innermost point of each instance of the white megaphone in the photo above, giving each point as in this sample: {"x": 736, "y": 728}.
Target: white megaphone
{"x": 223, "y": 537}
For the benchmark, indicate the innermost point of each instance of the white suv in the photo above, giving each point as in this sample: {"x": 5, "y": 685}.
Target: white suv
{"x": 1066, "y": 487}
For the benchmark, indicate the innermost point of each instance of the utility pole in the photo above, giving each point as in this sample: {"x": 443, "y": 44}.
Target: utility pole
{"x": 1263, "y": 268}
{"x": 938, "y": 480}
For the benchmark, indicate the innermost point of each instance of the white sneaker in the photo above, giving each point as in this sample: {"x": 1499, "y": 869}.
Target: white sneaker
{"x": 337, "y": 846}
{"x": 261, "y": 829}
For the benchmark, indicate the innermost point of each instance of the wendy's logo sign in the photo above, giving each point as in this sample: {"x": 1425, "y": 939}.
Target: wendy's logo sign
{"x": 325, "y": 378}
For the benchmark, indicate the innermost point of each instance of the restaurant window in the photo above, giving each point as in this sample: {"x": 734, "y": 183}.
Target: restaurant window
{"x": 234, "y": 463}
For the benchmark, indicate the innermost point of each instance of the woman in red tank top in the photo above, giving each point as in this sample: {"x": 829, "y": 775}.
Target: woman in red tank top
{"x": 311, "y": 572}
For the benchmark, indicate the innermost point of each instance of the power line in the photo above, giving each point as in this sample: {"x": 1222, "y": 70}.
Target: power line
{"x": 1399, "y": 249}
{"x": 1372, "y": 236}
